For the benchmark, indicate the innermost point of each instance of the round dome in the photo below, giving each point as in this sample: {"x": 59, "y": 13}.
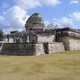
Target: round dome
{"x": 34, "y": 22}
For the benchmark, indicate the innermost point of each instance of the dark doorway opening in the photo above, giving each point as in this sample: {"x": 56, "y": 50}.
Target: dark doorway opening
{"x": 46, "y": 49}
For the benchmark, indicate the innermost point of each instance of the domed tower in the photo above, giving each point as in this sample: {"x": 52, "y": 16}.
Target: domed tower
{"x": 34, "y": 22}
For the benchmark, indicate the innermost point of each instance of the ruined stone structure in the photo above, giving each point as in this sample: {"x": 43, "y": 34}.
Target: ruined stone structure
{"x": 35, "y": 22}
{"x": 36, "y": 40}
{"x": 69, "y": 37}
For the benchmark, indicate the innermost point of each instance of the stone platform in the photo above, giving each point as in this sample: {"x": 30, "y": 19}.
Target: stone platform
{"x": 31, "y": 49}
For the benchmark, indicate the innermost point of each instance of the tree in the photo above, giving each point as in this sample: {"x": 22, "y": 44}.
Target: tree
{"x": 53, "y": 26}
{"x": 1, "y": 34}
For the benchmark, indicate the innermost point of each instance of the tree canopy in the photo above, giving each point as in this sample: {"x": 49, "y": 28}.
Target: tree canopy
{"x": 53, "y": 26}
{"x": 1, "y": 34}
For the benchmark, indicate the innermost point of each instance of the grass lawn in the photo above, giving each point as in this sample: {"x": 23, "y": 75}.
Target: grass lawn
{"x": 59, "y": 66}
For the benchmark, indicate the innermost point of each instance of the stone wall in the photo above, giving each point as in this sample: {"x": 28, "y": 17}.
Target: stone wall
{"x": 46, "y": 38}
{"x": 18, "y": 49}
{"x": 39, "y": 49}
{"x": 31, "y": 49}
{"x": 74, "y": 43}
{"x": 65, "y": 41}
{"x": 33, "y": 36}
{"x": 70, "y": 43}
{"x": 56, "y": 47}
{"x": 69, "y": 37}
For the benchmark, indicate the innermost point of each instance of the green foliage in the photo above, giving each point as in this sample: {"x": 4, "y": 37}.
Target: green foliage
{"x": 1, "y": 34}
{"x": 56, "y": 66}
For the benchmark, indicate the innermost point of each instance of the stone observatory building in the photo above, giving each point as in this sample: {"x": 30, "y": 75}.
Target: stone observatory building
{"x": 35, "y": 22}
{"x": 37, "y": 40}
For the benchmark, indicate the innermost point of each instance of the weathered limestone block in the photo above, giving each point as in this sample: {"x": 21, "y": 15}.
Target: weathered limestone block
{"x": 18, "y": 49}
{"x": 33, "y": 38}
{"x": 56, "y": 47}
{"x": 74, "y": 44}
{"x": 39, "y": 49}
{"x": 14, "y": 39}
{"x": 70, "y": 43}
{"x": 24, "y": 38}
{"x": 46, "y": 38}
{"x": 30, "y": 49}
{"x": 10, "y": 40}
{"x": 65, "y": 41}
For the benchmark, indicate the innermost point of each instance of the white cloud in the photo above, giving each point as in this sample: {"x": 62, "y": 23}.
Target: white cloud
{"x": 14, "y": 19}
{"x": 28, "y": 4}
{"x": 67, "y": 22}
{"x": 5, "y": 5}
{"x": 1, "y": 18}
{"x": 64, "y": 22}
{"x": 75, "y": 16}
{"x": 51, "y": 2}
{"x": 74, "y": 2}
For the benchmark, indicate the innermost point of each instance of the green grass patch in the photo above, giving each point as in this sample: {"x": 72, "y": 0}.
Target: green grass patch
{"x": 56, "y": 66}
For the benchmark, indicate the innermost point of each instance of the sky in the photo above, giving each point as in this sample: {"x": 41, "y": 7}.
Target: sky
{"x": 14, "y": 13}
